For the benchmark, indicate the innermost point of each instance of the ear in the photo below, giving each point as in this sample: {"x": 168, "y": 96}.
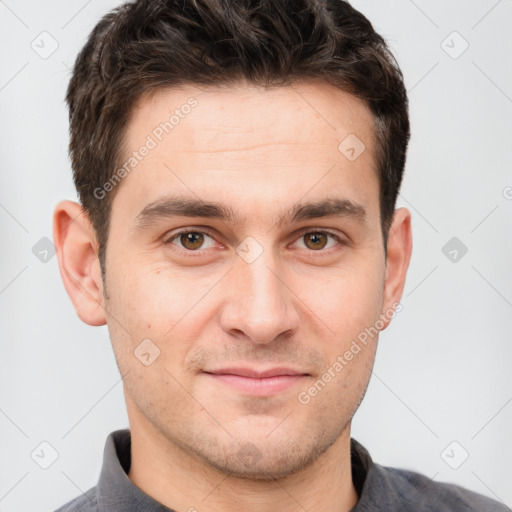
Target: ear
{"x": 77, "y": 253}
{"x": 397, "y": 262}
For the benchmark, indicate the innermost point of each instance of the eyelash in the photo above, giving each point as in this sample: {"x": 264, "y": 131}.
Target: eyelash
{"x": 203, "y": 231}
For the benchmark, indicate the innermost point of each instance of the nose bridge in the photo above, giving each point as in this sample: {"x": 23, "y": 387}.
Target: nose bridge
{"x": 264, "y": 288}
{"x": 261, "y": 305}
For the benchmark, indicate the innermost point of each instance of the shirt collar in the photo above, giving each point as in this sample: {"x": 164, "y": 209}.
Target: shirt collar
{"x": 117, "y": 493}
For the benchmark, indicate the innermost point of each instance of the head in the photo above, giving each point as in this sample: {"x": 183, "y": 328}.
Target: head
{"x": 237, "y": 168}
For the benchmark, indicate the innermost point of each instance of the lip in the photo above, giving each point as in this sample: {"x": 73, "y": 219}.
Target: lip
{"x": 257, "y": 374}
{"x": 251, "y": 381}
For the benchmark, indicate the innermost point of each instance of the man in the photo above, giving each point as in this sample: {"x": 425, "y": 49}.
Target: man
{"x": 238, "y": 165}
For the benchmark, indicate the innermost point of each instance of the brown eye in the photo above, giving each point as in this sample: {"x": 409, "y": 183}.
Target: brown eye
{"x": 315, "y": 240}
{"x": 321, "y": 241}
{"x": 189, "y": 241}
{"x": 192, "y": 240}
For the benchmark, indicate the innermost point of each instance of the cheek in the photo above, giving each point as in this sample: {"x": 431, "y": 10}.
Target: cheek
{"x": 348, "y": 300}
{"x": 159, "y": 304}
{"x": 148, "y": 298}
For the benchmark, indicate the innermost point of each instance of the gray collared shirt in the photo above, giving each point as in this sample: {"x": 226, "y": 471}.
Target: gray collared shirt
{"x": 379, "y": 488}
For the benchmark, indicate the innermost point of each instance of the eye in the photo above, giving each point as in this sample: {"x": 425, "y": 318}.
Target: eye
{"x": 318, "y": 240}
{"x": 190, "y": 240}
{"x": 193, "y": 240}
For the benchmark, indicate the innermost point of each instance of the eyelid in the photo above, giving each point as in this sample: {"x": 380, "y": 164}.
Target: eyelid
{"x": 309, "y": 229}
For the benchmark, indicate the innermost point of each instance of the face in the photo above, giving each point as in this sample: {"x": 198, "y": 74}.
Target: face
{"x": 228, "y": 320}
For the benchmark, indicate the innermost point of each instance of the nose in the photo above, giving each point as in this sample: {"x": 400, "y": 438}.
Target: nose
{"x": 259, "y": 302}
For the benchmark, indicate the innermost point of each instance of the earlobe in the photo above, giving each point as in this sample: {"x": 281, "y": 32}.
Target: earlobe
{"x": 397, "y": 263}
{"x": 78, "y": 261}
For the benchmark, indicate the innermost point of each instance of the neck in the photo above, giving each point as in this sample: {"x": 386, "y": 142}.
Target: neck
{"x": 181, "y": 481}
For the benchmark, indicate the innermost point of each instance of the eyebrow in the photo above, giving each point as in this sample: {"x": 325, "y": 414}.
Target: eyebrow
{"x": 182, "y": 206}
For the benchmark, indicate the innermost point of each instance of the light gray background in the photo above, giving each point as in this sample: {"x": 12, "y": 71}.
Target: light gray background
{"x": 443, "y": 368}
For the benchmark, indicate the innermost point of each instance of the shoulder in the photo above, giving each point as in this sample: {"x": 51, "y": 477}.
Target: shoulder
{"x": 87, "y": 502}
{"x": 417, "y": 492}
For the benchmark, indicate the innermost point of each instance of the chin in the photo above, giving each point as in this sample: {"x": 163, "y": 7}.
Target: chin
{"x": 264, "y": 462}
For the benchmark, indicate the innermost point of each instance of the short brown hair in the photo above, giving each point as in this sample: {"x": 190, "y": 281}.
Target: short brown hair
{"x": 145, "y": 45}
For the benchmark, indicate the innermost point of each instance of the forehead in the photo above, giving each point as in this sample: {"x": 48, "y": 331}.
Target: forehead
{"x": 304, "y": 113}
{"x": 249, "y": 146}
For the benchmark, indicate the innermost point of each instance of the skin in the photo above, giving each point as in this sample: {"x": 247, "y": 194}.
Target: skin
{"x": 258, "y": 151}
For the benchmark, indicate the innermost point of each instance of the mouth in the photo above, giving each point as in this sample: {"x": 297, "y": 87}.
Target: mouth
{"x": 254, "y": 382}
